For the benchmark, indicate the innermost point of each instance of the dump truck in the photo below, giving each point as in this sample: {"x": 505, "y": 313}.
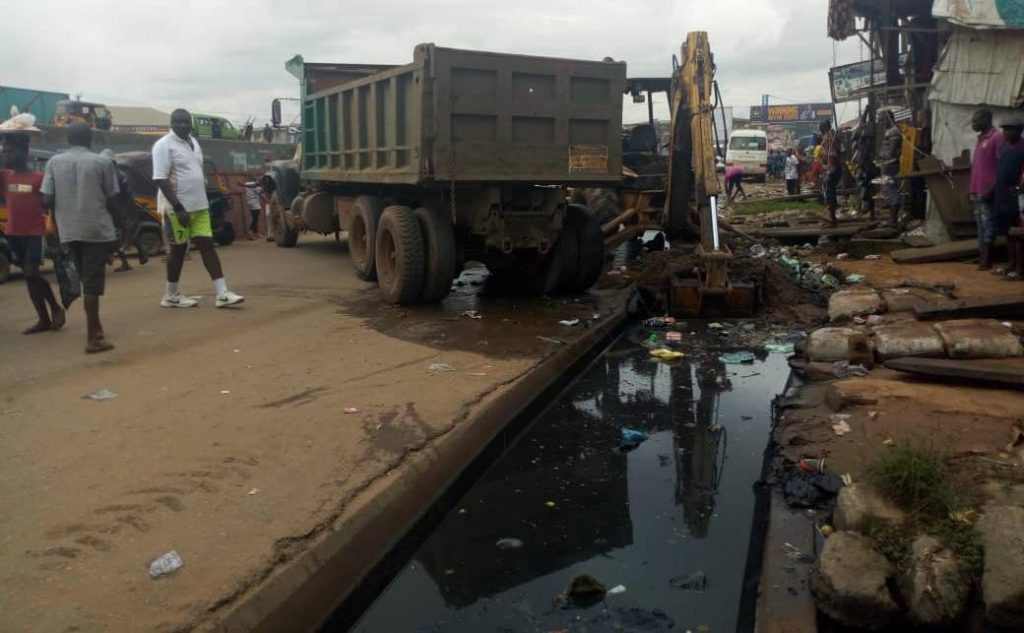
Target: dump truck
{"x": 459, "y": 156}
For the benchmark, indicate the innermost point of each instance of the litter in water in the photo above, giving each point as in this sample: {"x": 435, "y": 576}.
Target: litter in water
{"x": 735, "y": 358}
{"x": 585, "y": 590}
{"x": 631, "y": 438}
{"x": 438, "y": 368}
{"x": 508, "y": 543}
{"x": 666, "y": 354}
{"x": 569, "y": 322}
{"x": 617, "y": 589}
{"x": 472, "y": 314}
{"x": 697, "y": 581}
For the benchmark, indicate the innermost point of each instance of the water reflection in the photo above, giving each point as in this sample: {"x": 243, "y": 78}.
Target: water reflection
{"x": 579, "y": 504}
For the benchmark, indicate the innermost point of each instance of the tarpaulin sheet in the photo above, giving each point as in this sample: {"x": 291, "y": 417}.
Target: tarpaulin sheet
{"x": 980, "y": 67}
{"x": 981, "y": 14}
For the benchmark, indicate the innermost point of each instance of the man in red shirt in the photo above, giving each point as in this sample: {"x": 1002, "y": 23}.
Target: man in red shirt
{"x": 983, "y": 183}
{"x": 26, "y": 228}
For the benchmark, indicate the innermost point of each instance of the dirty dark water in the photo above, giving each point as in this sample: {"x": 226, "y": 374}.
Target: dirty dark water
{"x": 679, "y": 506}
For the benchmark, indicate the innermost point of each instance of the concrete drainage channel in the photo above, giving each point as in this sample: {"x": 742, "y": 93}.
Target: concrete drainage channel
{"x": 637, "y": 473}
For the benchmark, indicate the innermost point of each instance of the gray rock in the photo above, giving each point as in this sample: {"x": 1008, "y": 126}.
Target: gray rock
{"x": 848, "y": 583}
{"x": 845, "y": 304}
{"x": 1002, "y": 585}
{"x": 934, "y": 587}
{"x": 859, "y": 501}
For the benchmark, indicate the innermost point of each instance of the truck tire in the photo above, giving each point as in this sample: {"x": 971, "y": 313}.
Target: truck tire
{"x": 284, "y": 235}
{"x": 567, "y": 249}
{"x": 589, "y": 246}
{"x": 543, "y": 275}
{"x": 151, "y": 240}
{"x": 439, "y": 240}
{"x": 226, "y": 235}
{"x": 604, "y": 202}
{"x": 362, "y": 236}
{"x": 400, "y": 257}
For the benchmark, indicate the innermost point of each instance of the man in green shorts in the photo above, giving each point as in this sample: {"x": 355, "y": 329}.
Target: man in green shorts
{"x": 178, "y": 173}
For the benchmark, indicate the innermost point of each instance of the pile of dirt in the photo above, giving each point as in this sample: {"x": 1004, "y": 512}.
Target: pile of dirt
{"x": 783, "y": 299}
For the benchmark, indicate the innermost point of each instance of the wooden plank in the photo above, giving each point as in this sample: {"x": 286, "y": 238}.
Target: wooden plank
{"x": 810, "y": 231}
{"x": 950, "y": 251}
{"x": 1002, "y": 372}
{"x": 1004, "y": 307}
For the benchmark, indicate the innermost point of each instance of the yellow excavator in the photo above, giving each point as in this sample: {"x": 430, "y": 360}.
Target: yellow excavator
{"x": 688, "y": 205}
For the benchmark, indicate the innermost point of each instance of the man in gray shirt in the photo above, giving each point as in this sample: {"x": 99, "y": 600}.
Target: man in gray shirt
{"x": 79, "y": 185}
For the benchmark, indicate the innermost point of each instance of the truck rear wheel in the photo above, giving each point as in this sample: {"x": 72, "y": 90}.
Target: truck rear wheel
{"x": 604, "y": 202}
{"x": 362, "y": 236}
{"x": 400, "y": 257}
{"x": 284, "y": 235}
{"x": 439, "y": 239}
{"x": 589, "y": 245}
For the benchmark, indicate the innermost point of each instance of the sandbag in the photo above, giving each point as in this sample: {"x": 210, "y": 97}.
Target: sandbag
{"x": 830, "y": 344}
{"x": 906, "y": 299}
{"x": 908, "y": 339}
{"x": 845, "y": 304}
{"x": 978, "y": 338}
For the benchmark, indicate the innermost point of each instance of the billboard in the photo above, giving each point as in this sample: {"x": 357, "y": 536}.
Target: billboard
{"x": 853, "y": 81}
{"x": 791, "y": 113}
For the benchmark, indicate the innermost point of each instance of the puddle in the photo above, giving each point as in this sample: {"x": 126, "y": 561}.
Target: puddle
{"x": 669, "y": 520}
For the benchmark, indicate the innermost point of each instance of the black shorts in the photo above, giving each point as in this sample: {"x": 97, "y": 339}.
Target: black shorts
{"x": 26, "y": 249}
{"x": 832, "y": 187}
{"x": 91, "y": 262}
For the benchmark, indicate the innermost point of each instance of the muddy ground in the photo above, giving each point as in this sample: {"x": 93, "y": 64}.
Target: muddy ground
{"x": 228, "y": 440}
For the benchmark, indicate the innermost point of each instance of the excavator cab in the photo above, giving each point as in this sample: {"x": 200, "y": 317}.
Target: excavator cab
{"x": 95, "y": 115}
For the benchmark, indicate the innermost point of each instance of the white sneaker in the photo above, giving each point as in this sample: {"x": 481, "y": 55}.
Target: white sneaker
{"x": 229, "y": 299}
{"x": 178, "y": 300}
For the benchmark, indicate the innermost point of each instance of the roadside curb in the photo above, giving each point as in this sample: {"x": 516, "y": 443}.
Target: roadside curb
{"x": 302, "y": 593}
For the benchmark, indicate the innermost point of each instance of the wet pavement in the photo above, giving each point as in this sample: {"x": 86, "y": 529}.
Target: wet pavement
{"x": 669, "y": 520}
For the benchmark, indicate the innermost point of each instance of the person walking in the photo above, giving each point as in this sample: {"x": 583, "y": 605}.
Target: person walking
{"x": 21, "y": 191}
{"x": 983, "y": 182}
{"x": 178, "y": 173}
{"x": 792, "y": 173}
{"x": 125, "y": 219}
{"x": 81, "y": 188}
{"x": 268, "y": 195}
{"x": 251, "y": 187}
{"x": 1009, "y": 171}
{"x": 832, "y": 168}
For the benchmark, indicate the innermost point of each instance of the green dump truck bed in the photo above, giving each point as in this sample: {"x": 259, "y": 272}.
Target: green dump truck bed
{"x": 464, "y": 116}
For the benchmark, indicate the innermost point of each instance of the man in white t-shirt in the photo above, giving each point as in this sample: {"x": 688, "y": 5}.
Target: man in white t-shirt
{"x": 178, "y": 173}
{"x": 792, "y": 172}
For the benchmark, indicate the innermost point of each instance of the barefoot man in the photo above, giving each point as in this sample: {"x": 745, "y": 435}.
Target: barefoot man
{"x": 80, "y": 187}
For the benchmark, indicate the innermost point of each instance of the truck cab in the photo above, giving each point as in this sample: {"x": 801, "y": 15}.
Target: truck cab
{"x": 95, "y": 115}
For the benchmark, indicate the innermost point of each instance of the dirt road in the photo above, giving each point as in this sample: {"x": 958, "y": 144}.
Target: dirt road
{"x": 227, "y": 440}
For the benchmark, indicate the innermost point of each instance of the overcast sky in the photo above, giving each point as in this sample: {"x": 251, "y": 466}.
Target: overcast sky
{"x": 228, "y": 57}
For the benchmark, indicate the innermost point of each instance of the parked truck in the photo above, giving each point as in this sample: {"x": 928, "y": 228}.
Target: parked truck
{"x": 459, "y": 156}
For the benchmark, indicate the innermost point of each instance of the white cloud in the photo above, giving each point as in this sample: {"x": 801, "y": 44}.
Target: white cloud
{"x": 228, "y": 57}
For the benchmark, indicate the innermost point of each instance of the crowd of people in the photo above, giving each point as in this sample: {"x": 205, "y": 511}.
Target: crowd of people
{"x": 83, "y": 203}
{"x": 997, "y": 171}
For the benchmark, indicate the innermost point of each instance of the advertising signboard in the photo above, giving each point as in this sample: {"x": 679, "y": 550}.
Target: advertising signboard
{"x": 791, "y": 113}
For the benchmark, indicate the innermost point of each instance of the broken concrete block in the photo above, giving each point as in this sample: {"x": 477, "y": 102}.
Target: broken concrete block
{"x": 978, "y": 338}
{"x": 912, "y": 338}
{"x": 830, "y": 344}
{"x": 934, "y": 586}
{"x": 906, "y": 299}
{"x": 858, "y": 502}
{"x": 846, "y": 304}
{"x": 1002, "y": 585}
{"x": 848, "y": 583}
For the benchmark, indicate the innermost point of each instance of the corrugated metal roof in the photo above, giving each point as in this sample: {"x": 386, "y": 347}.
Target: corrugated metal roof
{"x": 139, "y": 115}
{"x": 981, "y": 67}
